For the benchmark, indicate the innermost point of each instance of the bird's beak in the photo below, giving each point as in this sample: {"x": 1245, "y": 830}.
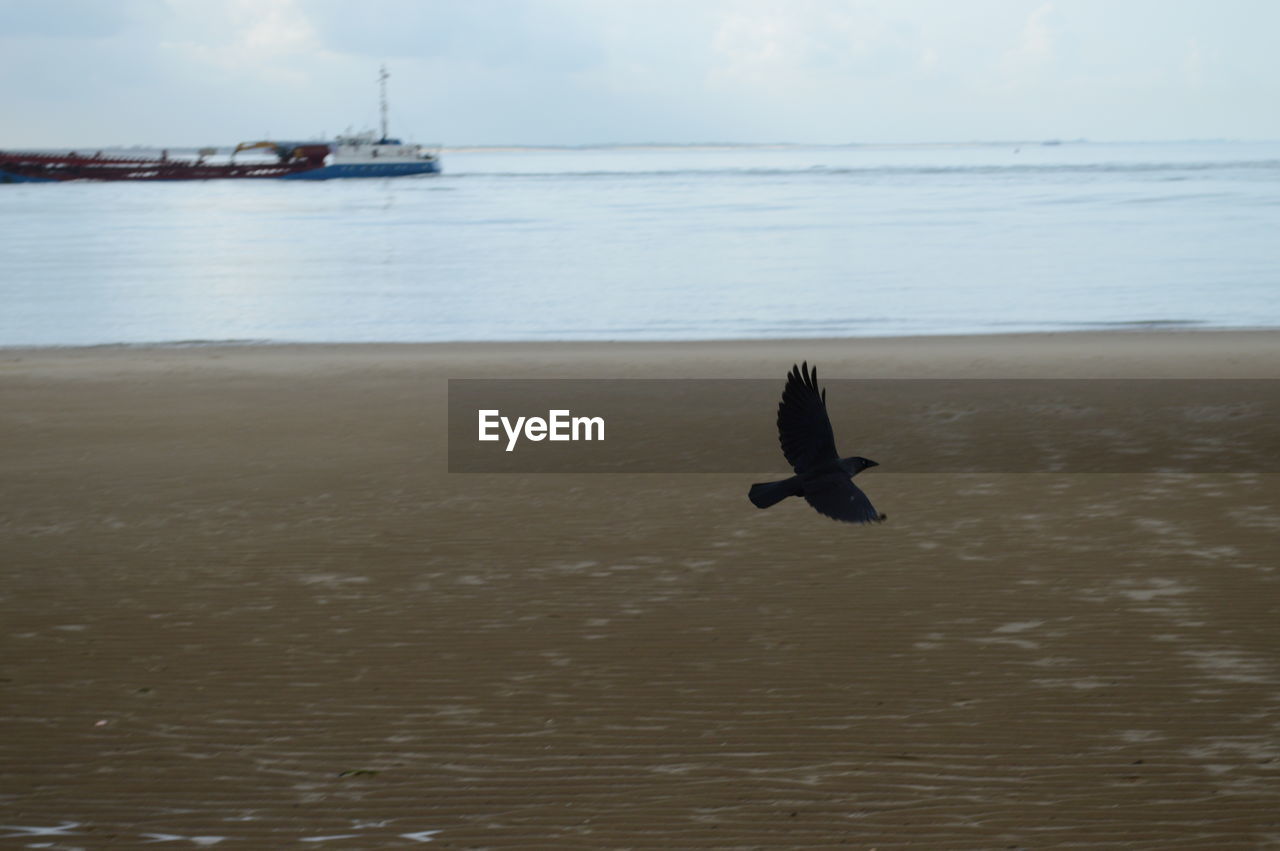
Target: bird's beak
{"x": 871, "y": 464}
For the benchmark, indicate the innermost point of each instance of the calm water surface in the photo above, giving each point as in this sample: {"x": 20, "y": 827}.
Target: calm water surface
{"x": 659, "y": 243}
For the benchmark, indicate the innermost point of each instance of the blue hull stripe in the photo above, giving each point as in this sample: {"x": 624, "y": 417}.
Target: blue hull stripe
{"x": 10, "y": 177}
{"x": 362, "y": 170}
{"x": 324, "y": 173}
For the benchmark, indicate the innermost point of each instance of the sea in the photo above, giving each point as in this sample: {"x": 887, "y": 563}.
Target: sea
{"x": 654, "y": 242}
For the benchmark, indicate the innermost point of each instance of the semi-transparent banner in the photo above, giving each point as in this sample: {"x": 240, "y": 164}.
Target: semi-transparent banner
{"x": 906, "y": 425}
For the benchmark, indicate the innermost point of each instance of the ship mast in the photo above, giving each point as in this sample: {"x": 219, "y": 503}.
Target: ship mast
{"x": 382, "y": 81}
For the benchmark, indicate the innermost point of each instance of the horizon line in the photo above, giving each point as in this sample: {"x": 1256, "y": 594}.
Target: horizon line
{"x": 570, "y": 146}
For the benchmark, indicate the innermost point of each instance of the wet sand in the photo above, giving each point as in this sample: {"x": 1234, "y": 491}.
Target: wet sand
{"x": 245, "y": 606}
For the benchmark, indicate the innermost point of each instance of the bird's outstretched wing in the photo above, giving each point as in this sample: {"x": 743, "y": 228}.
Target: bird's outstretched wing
{"x": 840, "y": 499}
{"x": 804, "y": 429}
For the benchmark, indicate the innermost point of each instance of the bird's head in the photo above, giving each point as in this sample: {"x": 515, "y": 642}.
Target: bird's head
{"x": 855, "y": 465}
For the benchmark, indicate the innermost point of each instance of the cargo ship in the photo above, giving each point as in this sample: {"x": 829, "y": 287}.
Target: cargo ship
{"x": 353, "y": 155}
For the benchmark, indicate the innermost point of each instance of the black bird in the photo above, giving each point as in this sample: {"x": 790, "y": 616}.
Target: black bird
{"x": 822, "y": 477}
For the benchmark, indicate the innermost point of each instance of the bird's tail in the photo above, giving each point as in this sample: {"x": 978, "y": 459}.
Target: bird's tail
{"x": 766, "y": 494}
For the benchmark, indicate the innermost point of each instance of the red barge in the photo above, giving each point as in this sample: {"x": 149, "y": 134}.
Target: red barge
{"x": 364, "y": 155}
{"x": 22, "y": 167}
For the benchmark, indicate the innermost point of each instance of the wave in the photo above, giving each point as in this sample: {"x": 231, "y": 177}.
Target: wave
{"x": 852, "y": 327}
{"x": 1107, "y": 169}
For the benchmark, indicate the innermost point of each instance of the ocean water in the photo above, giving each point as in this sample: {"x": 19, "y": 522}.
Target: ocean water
{"x": 653, "y": 243}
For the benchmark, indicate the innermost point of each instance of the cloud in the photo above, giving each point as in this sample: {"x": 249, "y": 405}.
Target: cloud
{"x": 247, "y": 39}
{"x": 541, "y": 34}
{"x": 576, "y": 71}
{"x": 1024, "y": 64}
{"x": 1195, "y": 66}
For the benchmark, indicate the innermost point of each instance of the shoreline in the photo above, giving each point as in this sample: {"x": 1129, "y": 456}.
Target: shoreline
{"x": 1137, "y": 328}
{"x": 1083, "y": 354}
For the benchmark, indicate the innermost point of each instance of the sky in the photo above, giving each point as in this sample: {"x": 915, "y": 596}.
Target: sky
{"x": 98, "y": 73}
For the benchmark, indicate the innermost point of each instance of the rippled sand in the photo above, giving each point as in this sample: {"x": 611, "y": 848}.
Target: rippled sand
{"x": 243, "y": 606}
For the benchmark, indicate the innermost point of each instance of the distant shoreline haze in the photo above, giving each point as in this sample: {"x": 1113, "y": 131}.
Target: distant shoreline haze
{"x": 477, "y": 147}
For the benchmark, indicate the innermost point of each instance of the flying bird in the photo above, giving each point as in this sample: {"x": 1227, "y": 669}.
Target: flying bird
{"x": 823, "y": 478}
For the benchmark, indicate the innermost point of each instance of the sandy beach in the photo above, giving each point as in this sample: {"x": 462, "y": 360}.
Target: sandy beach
{"x": 245, "y": 605}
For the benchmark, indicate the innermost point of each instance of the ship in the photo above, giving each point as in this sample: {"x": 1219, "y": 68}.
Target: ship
{"x": 367, "y": 154}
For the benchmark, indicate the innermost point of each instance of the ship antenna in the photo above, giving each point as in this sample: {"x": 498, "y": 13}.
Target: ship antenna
{"x": 382, "y": 81}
